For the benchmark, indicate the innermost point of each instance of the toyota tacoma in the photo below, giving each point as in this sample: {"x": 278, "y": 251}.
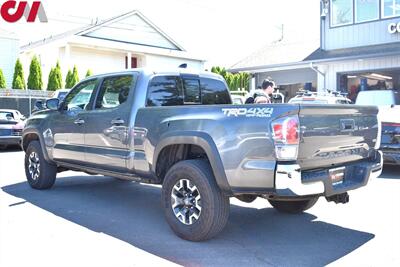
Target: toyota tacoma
{"x": 181, "y": 130}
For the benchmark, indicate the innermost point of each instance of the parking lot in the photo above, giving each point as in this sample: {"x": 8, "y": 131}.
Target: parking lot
{"x": 100, "y": 221}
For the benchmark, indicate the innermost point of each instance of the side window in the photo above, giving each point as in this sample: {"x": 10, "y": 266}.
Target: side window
{"x": 191, "y": 91}
{"x": 214, "y": 92}
{"x": 165, "y": 91}
{"x": 80, "y": 96}
{"x": 114, "y": 91}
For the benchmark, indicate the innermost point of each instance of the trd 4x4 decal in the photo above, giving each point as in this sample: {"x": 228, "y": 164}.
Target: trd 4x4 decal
{"x": 248, "y": 112}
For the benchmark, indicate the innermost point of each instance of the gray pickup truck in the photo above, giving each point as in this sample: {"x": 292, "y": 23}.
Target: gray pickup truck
{"x": 181, "y": 130}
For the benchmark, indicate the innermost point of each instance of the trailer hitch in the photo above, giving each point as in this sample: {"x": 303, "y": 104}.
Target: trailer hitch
{"x": 339, "y": 198}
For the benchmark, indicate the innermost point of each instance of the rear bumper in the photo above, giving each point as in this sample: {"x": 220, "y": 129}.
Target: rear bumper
{"x": 391, "y": 153}
{"x": 291, "y": 181}
{"x": 10, "y": 140}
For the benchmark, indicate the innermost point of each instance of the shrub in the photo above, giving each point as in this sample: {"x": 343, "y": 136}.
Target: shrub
{"x": 2, "y": 80}
{"x": 18, "y": 72}
{"x": 35, "y": 81}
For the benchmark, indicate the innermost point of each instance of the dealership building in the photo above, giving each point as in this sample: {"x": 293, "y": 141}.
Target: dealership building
{"x": 358, "y": 49}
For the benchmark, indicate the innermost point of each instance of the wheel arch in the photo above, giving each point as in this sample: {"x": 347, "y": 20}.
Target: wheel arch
{"x": 31, "y": 135}
{"x": 198, "y": 139}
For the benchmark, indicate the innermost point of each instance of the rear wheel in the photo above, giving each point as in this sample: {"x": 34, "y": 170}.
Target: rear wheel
{"x": 194, "y": 206}
{"x": 293, "y": 206}
{"x": 39, "y": 173}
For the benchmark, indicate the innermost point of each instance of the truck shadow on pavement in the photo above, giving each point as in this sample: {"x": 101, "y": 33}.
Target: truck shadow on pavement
{"x": 133, "y": 213}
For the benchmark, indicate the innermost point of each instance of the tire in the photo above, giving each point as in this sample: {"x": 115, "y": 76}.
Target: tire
{"x": 247, "y": 198}
{"x": 293, "y": 206}
{"x": 39, "y": 173}
{"x": 206, "y": 205}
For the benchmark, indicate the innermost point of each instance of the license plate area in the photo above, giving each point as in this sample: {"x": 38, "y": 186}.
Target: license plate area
{"x": 336, "y": 175}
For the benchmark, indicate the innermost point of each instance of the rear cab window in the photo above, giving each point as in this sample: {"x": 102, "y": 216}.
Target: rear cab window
{"x": 214, "y": 92}
{"x": 164, "y": 91}
{"x": 186, "y": 90}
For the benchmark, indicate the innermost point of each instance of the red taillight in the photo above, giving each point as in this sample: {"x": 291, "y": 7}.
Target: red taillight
{"x": 292, "y": 132}
{"x": 286, "y": 131}
{"x": 278, "y": 135}
{"x": 286, "y": 137}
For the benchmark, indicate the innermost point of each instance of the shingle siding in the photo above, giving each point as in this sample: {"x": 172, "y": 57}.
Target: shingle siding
{"x": 369, "y": 33}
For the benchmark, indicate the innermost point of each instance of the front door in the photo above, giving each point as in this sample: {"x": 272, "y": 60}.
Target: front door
{"x": 68, "y": 126}
{"x": 107, "y": 125}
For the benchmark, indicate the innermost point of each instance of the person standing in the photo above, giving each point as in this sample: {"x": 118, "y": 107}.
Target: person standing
{"x": 267, "y": 90}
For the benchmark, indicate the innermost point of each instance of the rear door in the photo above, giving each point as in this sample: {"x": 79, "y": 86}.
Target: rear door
{"x": 107, "y": 125}
{"x": 334, "y": 134}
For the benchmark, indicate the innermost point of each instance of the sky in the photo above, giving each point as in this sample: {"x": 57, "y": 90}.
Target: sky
{"x": 221, "y": 31}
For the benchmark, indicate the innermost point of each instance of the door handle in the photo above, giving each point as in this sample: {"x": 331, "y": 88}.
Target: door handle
{"x": 117, "y": 122}
{"x": 79, "y": 121}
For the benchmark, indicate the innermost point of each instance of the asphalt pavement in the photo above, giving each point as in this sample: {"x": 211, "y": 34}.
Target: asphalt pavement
{"x": 87, "y": 220}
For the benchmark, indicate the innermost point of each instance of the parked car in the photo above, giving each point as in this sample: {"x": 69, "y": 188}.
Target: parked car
{"x": 388, "y": 102}
{"x": 11, "y": 125}
{"x": 329, "y": 97}
{"x": 237, "y": 100}
{"x": 202, "y": 149}
{"x": 61, "y": 93}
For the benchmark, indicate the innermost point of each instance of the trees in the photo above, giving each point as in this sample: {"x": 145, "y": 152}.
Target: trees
{"x": 68, "y": 79}
{"x": 35, "y": 75}
{"x": 55, "y": 78}
{"x": 18, "y": 73}
{"x": 88, "y": 73}
{"x": 18, "y": 83}
{"x": 72, "y": 78}
{"x": 2, "y": 80}
{"x": 58, "y": 76}
{"x": 234, "y": 80}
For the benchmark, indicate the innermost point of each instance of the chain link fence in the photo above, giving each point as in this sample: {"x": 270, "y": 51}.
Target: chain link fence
{"x": 22, "y": 100}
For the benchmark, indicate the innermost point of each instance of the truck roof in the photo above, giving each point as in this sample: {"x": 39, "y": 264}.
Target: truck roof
{"x": 173, "y": 71}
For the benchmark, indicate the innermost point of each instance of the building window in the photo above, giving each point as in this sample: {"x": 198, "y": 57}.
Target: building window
{"x": 341, "y": 12}
{"x": 366, "y": 10}
{"x": 390, "y": 8}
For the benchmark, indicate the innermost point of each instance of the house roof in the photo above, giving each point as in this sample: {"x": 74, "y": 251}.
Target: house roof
{"x": 277, "y": 53}
{"x": 117, "y": 29}
{"x": 354, "y": 52}
{"x": 7, "y": 35}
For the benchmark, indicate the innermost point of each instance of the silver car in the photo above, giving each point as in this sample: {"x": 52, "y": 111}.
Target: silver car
{"x": 11, "y": 126}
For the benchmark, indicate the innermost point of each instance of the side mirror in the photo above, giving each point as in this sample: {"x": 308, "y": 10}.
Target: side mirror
{"x": 52, "y": 103}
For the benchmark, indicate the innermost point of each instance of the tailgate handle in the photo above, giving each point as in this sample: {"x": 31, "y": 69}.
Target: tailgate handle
{"x": 347, "y": 125}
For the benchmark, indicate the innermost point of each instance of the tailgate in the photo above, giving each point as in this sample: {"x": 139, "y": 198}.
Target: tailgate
{"x": 335, "y": 134}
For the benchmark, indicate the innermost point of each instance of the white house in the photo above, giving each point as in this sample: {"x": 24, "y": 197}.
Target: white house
{"x": 8, "y": 54}
{"x": 126, "y": 41}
